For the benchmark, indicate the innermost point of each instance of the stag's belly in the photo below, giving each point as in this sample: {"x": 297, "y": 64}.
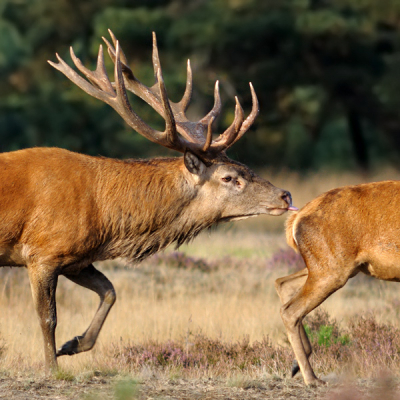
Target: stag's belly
{"x": 21, "y": 255}
{"x": 10, "y": 257}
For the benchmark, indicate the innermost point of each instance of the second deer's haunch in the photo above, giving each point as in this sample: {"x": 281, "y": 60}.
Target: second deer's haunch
{"x": 61, "y": 211}
{"x": 339, "y": 234}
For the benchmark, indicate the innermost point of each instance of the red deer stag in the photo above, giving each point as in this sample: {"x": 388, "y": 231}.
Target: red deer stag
{"x": 61, "y": 211}
{"x": 339, "y": 234}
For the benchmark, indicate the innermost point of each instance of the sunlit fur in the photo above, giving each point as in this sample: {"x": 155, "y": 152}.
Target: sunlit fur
{"x": 339, "y": 234}
{"x": 61, "y": 211}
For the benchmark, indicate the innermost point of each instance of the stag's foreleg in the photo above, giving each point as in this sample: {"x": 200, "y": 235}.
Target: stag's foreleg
{"x": 286, "y": 288}
{"x": 43, "y": 286}
{"x": 92, "y": 279}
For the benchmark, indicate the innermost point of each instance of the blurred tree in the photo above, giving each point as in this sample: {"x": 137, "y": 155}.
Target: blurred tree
{"x": 325, "y": 73}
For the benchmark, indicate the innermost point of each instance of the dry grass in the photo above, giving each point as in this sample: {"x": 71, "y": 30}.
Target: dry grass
{"x": 218, "y": 293}
{"x": 224, "y": 298}
{"x": 155, "y": 302}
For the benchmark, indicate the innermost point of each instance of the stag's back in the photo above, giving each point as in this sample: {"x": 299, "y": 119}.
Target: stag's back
{"x": 47, "y": 201}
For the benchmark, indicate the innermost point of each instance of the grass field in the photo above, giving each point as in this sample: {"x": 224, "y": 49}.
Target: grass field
{"x": 203, "y": 322}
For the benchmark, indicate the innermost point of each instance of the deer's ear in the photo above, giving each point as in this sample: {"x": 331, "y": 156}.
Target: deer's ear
{"x": 193, "y": 163}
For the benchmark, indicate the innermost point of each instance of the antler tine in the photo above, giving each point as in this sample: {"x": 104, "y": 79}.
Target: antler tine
{"x": 209, "y": 135}
{"x": 167, "y": 138}
{"x": 124, "y": 64}
{"x": 119, "y": 83}
{"x": 155, "y": 57}
{"x": 99, "y": 76}
{"x": 216, "y": 110}
{"x": 226, "y": 139}
{"x": 251, "y": 117}
{"x": 114, "y": 39}
{"x": 103, "y": 80}
{"x": 187, "y": 96}
{"x": 63, "y": 67}
{"x": 170, "y": 126}
{"x": 149, "y": 95}
{"x": 239, "y": 115}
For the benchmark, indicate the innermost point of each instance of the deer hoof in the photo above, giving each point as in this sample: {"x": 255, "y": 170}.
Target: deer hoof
{"x": 71, "y": 347}
{"x": 316, "y": 382}
{"x": 295, "y": 368}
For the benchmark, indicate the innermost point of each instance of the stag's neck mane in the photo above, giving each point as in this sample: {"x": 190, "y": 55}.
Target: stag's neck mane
{"x": 158, "y": 207}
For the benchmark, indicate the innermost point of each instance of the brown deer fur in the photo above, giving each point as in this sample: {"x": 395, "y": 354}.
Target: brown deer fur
{"x": 61, "y": 211}
{"x": 339, "y": 234}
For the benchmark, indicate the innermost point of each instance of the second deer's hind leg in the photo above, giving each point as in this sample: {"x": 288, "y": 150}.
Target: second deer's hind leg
{"x": 286, "y": 288}
{"x": 92, "y": 279}
{"x": 316, "y": 289}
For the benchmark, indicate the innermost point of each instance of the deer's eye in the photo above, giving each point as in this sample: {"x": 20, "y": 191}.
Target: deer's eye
{"x": 227, "y": 178}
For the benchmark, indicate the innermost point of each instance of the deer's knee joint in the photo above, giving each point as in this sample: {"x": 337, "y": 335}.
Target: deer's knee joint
{"x": 289, "y": 320}
{"x": 278, "y": 284}
{"x": 48, "y": 323}
{"x": 284, "y": 314}
{"x": 110, "y": 297}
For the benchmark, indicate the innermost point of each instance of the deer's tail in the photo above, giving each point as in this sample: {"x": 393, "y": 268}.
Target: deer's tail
{"x": 291, "y": 231}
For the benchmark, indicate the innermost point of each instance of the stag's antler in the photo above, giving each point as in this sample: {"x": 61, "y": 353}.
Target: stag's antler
{"x": 196, "y": 136}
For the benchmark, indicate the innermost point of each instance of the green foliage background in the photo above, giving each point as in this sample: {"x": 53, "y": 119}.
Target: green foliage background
{"x": 326, "y": 74}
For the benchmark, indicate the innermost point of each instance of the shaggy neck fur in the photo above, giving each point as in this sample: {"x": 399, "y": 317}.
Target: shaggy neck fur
{"x": 159, "y": 207}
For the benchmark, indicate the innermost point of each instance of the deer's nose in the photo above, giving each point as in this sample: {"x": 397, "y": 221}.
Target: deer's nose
{"x": 287, "y": 197}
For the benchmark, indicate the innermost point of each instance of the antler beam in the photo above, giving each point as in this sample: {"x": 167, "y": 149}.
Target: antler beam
{"x": 195, "y": 136}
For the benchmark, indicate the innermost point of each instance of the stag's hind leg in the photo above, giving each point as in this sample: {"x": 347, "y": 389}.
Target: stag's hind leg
{"x": 286, "y": 288}
{"x": 92, "y": 279}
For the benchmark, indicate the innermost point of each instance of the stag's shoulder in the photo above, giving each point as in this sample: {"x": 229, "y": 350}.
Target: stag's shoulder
{"x": 47, "y": 163}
